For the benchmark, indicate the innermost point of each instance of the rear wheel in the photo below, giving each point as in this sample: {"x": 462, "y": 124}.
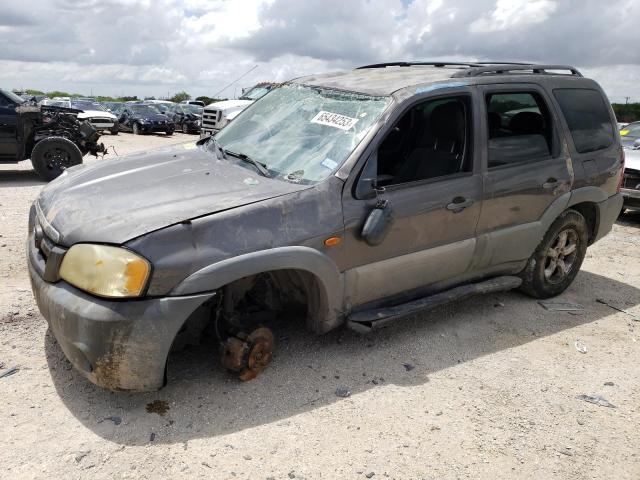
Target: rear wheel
{"x": 52, "y": 156}
{"x": 136, "y": 129}
{"x": 557, "y": 260}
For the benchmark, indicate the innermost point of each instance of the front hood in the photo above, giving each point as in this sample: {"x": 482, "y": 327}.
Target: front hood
{"x": 229, "y": 104}
{"x": 632, "y": 159}
{"x": 122, "y": 198}
{"x": 96, "y": 114}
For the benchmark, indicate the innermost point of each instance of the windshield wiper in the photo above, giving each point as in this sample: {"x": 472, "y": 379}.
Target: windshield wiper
{"x": 262, "y": 168}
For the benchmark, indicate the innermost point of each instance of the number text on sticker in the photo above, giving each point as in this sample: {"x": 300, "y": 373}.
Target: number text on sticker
{"x": 334, "y": 120}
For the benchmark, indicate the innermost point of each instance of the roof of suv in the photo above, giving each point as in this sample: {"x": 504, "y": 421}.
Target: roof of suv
{"x": 387, "y": 78}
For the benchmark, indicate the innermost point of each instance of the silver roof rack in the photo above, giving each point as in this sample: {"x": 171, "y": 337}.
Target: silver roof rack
{"x": 413, "y": 64}
{"x": 514, "y": 68}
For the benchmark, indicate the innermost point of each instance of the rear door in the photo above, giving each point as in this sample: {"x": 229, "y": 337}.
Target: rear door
{"x": 525, "y": 170}
{"x": 8, "y": 134}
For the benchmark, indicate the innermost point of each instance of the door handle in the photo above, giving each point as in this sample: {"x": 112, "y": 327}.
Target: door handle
{"x": 458, "y": 204}
{"x": 550, "y": 183}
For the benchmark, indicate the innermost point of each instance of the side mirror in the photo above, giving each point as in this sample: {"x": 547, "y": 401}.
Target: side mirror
{"x": 377, "y": 224}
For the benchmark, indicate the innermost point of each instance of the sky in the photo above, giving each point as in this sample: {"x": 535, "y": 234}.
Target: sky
{"x": 146, "y": 47}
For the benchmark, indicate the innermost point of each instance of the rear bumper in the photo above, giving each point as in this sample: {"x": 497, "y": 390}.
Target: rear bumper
{"x": 608, "y": 212}
{"x": 119, "y": 345}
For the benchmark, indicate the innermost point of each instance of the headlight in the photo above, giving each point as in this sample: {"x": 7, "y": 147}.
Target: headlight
{"x": 105, "y": 271}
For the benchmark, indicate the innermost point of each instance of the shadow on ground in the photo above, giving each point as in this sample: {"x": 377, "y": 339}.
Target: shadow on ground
{"x": 19, "y": 178}
{"x": 205, "y": 401}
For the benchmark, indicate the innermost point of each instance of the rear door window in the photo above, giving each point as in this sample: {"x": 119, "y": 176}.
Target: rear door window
{"x": 520, "y": 128}
{"x": 587, "y": 117}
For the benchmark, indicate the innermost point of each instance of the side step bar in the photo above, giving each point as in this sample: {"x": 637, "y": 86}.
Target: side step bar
{"x": 368, "y": 320}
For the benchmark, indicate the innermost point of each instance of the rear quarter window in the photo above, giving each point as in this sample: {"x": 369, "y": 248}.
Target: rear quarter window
{"x": 588, "y": 118}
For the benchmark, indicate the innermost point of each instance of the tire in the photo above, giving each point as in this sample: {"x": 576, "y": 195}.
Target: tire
{"x": 115, "y": 130}
{"x": 52, "y": 156}
{"x": 169, "y": 133}
{"x": 555, "y": 264}
{"x": 135, "y": 129}
{"x": 185, "y": 128}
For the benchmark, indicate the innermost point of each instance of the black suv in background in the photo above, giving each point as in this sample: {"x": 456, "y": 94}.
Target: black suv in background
{"x": 360, "y": 197}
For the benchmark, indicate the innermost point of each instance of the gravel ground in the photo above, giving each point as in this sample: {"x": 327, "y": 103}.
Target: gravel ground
{"x": 484, "y": 389}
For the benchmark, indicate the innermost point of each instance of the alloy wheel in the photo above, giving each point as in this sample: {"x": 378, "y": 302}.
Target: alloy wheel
{"x": 561, "y": 255}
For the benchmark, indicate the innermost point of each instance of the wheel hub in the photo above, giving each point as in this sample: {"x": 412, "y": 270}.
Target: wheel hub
{"x": 561, "y": 256}
{"x": 248, "y": 355}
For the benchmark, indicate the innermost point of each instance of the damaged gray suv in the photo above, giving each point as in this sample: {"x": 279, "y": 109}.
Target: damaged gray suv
{"x": 359, "y": 197}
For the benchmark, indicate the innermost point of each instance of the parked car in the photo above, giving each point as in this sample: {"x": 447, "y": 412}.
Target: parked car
{"x": 140, "y": 118}
{"x": 186, "y": 116}
{"x": 52, "y": 137}
{"x": 219, "y": 114}
{"x": 630, "y": 133}
{"x": 359, "y": 197}
{"x": 98, "y": 116}
{"x": 631, "y": 184}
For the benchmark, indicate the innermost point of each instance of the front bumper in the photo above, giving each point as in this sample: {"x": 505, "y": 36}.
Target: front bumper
{"x": 608, "y": 213}
{"x": 208, "y": 132}
{"x": 119, "y": 345}
{"x": 152, "y": 127}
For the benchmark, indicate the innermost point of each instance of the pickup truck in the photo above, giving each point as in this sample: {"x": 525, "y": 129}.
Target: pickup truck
{"x": 52, "y": 137}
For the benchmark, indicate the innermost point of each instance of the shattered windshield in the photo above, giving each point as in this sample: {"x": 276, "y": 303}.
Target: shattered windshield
{"x": 195, "y": 109}
{"x": 301, "y": 133}
{"x": 145, "y": 110}
{"x": 255, "y": 93}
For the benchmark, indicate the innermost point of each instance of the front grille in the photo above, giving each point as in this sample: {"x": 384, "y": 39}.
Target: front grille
{"x": 101, "y": 120}
{"x": 210, "y": 118}
{"x": 631, "y": 179}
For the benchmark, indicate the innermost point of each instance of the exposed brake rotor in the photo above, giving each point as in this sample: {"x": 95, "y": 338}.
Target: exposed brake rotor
{"x": 248, "y": 355}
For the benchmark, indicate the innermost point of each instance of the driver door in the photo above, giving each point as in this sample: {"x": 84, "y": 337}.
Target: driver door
{"x": 427, "y": 165}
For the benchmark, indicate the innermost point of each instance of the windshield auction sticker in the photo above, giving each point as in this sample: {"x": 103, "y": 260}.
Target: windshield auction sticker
{"x": 334, "y": 120}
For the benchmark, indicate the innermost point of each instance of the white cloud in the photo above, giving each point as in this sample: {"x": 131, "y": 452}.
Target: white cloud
{"x": 511, "y": 14}
{"x": 162, "y": 46}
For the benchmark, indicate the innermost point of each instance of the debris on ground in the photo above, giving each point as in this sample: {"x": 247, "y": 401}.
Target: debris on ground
{"x": 608, "y": 384}
{"x": 581, "y": 347}
{"x": 343, "y": 392}
{"x": 158, "y": 406}
{"x": 81, "y": 454}
{"x": 370, "y": 475}
{"x": 562, "y": 306}
{"x": 116, "y": 420}
{"x": 596, "y": 400}
{"x": 9, "y": 372}
{"x": 408, "y": 366}
{"x": 152, "y": 437}
{"x": 566, "y": 451}
{"x": 608, "y": 304}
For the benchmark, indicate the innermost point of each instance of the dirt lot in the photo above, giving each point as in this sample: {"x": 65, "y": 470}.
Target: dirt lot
{"x": 492, "y": 392}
